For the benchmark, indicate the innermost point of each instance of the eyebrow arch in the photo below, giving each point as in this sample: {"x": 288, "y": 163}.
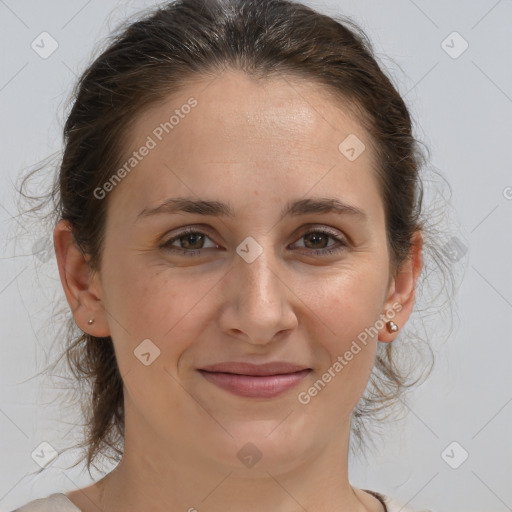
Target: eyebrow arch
{"x": 219, "y": 209}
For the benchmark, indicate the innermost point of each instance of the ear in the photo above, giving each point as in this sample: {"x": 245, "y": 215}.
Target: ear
{"x": 402, "y": 290}
{"x": 80, "y": 284}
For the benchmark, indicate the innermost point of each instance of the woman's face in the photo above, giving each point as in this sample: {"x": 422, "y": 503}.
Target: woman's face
{"x": 266, "y": 282}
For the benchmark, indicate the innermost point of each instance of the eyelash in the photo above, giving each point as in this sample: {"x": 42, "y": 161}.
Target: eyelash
{"x": 196, "y": 252}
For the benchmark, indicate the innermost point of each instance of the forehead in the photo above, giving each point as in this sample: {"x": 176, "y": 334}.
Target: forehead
{"x": 278, "y": 135}
{"x": 244, "y": 108}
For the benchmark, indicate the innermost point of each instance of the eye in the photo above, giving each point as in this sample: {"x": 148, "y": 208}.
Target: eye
{"x": 192, "y": 242}
{"x": 318, "y": 239}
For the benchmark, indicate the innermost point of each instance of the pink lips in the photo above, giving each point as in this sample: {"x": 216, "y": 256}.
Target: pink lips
{"x": 255, "y": 381}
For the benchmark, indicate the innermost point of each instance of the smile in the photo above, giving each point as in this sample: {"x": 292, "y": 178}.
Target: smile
{"x": 255, "y": 386}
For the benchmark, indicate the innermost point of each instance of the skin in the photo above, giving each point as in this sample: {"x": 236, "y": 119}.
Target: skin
{"x": 254, "y": 145}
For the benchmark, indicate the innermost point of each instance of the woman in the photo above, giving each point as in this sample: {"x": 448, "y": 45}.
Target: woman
{"x": 240, "y": 241}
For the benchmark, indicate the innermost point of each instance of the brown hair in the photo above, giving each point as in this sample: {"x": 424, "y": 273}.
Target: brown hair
{"x": 153, "y": 57}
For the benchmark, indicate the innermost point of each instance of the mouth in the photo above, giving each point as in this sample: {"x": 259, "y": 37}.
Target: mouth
{"x": 255, "y": 381}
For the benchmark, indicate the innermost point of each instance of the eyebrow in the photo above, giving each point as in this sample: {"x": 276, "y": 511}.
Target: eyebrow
{"x": 219, "y": 209}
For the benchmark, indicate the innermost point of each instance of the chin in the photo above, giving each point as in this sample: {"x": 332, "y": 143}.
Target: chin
{"x": 261, "y": 447}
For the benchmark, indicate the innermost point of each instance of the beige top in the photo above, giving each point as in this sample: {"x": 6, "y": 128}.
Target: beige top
{"x": 59, "y": 502}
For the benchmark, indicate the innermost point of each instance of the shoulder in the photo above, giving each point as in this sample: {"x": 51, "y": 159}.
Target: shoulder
{"x": 394, "y": 505}
{"x": 57, "y": 502}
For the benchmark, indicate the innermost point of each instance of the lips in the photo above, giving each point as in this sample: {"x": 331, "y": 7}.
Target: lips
{"x": 273, "y": 368}
{"x": 255, "y": 381}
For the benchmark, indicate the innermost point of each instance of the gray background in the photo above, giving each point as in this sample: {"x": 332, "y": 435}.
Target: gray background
{"x": 462, "y": 108}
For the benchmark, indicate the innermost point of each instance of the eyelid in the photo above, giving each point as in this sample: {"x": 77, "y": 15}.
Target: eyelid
{"x": 321, "y": 227}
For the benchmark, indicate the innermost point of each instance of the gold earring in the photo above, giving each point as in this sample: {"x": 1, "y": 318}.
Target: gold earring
{"x": 391, "y": 326}
{"x": 91, "y": 320}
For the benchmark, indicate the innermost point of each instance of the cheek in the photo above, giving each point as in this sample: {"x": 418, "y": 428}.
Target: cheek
{"x": 350, "y": 299}
{"x": 348, "y": 306}
{"x": 158, "y": 303}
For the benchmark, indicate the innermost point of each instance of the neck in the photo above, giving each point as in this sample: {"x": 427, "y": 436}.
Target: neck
{"x": 162, "y": 475}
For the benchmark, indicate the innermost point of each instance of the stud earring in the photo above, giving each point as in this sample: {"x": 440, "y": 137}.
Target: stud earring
{"x": 91, "y": 320}
{"x": 391, "y": 326}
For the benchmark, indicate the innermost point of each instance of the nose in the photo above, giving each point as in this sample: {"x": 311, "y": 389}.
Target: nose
{"x": 257, "y": 299}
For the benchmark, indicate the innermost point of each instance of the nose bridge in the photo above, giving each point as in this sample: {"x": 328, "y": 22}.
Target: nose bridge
{"x": 256, "y": 270}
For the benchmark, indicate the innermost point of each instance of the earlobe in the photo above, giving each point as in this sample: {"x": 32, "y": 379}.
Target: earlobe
{"x": 81, "y": 289}
{"x": 403, "y": 291}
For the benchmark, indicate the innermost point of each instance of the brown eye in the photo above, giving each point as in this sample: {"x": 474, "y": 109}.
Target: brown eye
{"x": 317, "y": 239}
{"x": 317, "y": 242}
{"x": 190, "y": 242}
